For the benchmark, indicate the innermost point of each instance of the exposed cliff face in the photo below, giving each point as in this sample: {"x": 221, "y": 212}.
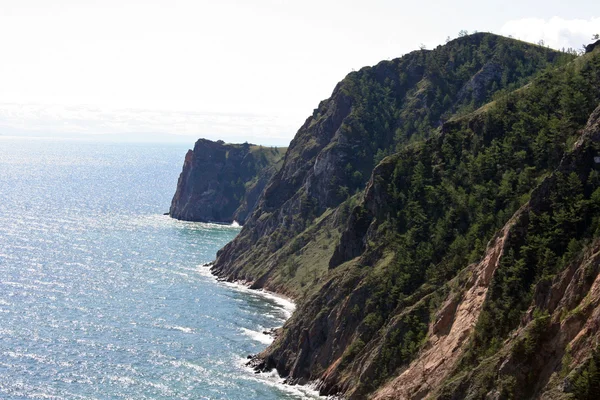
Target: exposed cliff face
{"x": 420, "y": 285}
{"x": 327, "y": 326}
{"x": 449, "y": 332}
{"x": 289, "y": 202}
{"x": 561, "y": 327}
{"x": 222, "y": 182}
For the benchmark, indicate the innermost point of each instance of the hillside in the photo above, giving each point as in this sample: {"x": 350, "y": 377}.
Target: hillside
{"x": 371, "y": 113}
{"x": 435, "y": 247}
{"x": 222, "y": 182}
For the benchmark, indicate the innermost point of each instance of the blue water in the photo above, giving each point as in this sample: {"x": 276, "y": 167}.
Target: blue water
{"x": 102, "y": 296}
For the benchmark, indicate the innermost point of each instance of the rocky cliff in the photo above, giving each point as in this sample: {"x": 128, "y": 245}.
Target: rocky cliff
{"x": 429, "y": 218}
{"x": 222, "y": 182}
{"x": 371, "y": 113}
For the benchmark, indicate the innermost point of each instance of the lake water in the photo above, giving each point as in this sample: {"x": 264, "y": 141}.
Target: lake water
{"x": 102, "y": 296}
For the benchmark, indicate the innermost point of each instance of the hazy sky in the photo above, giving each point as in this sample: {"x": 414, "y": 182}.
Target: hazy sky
{"x": 238, "y": 70}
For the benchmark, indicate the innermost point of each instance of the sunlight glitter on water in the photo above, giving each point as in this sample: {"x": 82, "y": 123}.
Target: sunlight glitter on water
{"x": 101, "y": 295}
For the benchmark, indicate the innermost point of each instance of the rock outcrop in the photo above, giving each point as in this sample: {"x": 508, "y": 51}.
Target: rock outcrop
{"x": 590, "y": 47}
{"x": 222, "y": 182}
{"x": 448, "y": 334}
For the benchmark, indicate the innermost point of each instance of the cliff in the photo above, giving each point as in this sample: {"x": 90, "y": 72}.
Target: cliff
{"x": 370, "y": 114}
{"x": 429, "y": 219}
{"x": 222, "y": 182}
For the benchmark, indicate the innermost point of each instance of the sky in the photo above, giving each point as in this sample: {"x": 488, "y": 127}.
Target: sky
{"x": 235, "y": 70}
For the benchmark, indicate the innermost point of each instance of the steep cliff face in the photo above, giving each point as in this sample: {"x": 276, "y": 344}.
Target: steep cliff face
{"x": 437, "y": 271}
{"x": 370, "y": 113}
{"x": 448, "y": 333}
{"x": 222, "y": 182}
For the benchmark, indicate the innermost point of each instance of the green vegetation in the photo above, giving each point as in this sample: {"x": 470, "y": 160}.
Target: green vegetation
{"x": 450, "y": 194}
{"x": 453, "y": 192}
{"x": 429, "y": 87}
{"x": 405, "y": 100}
{"x": 586, "y": 383}
{"x": 385, "y": 257}
{"x": 394, "y": 105}
{"x": 554, "y": 238}
{"x": 268, "y": 155}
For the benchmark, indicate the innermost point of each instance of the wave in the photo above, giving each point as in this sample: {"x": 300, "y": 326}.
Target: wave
{"x": 272, "y": 378}
{"x": 189, "y": 365}
{"x": 285, "y": 303}
{"x": 183, "y": 329}
{"x": 258, "y": 336}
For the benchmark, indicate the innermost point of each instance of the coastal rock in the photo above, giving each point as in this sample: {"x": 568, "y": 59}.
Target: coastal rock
{"x": 222, "y": 182}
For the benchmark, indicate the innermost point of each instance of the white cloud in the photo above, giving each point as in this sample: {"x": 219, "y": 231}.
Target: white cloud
{"x": 556, "y": 32}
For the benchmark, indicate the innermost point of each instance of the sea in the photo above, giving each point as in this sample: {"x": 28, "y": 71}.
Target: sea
{"x": 104, "y": 297}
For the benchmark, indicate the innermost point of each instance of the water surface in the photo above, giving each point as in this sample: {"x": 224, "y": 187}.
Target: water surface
{"x": 102, "y": 296}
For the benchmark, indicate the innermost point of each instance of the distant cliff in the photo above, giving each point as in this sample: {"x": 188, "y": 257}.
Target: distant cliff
{"x": 221, "y": 182}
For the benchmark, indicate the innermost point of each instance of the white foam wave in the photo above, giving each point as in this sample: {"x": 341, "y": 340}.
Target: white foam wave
{"x": 183, "y": 329}
{"x": 204, "y": 271}
{"x": 160, "y": 220}
{"x": 309, "y": 391}
{"x": 286, "y": 303}
{"x": 41, "y": 359}
{"x": 304, "y": 392}
{"x": 124, "y": 380}
{"x": 258, "y": 336}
